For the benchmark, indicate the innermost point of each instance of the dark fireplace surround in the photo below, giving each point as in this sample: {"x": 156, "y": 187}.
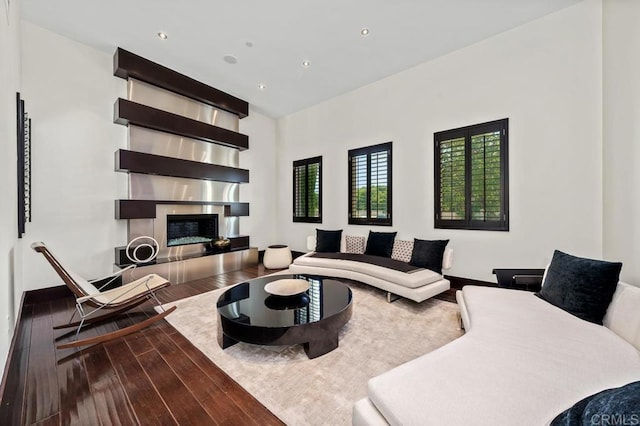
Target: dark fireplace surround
{"x": 186, "y": 229}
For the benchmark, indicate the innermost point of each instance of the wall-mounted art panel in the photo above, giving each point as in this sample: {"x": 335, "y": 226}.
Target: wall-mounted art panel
{"x": 23, "y": 124}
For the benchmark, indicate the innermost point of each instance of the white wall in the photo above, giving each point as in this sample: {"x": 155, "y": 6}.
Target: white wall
{"x": 70, "y": 91}
{"x": 10, "y": 277}
{"x": 544, "y": 76}
{"x": 621, "y": 39}
{"x": 261, "y": 190}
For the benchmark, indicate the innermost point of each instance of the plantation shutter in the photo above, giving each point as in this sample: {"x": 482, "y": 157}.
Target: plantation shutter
{"x": 471, "y": 178}
{"x": 370, "y": 185}
{"x": 452, "y": 179}
{"x": 300, "y": 191}
{"x": 486, "y": 203}
{"x": 379, "y": 184}
{"x": 359, "y": 179}
{"x": 313, "y": 190}
{"x": 307, "y": 190}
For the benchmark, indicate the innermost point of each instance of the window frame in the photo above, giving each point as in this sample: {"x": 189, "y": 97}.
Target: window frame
{"x": 306, "y": 163}
{"x": 368, "y": 150}
{"x": 467, "y": 132}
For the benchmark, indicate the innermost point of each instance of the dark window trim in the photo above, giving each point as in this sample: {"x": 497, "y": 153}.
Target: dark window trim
{"x": 368, "y": 150}
{"x": 466, "y": 132}
{"x": 306, "y": 218}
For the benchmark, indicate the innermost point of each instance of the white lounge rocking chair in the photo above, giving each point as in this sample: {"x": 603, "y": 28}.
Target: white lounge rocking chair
{"x": 94, "y": 306}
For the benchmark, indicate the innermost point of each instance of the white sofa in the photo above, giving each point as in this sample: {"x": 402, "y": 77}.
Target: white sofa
{"x": 522, "y": 361}
{"x": 418, "y": 286}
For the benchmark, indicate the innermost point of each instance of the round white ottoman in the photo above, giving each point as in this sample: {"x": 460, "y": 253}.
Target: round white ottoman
{"x": 277, "y": 257}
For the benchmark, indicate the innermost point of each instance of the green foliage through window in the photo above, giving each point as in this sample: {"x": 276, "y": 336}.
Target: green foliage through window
{"x": 307, "y": 190}
{"x": 471, "y": 182}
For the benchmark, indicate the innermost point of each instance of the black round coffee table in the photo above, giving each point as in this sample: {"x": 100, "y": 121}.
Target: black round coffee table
{"x": 247, "y": 313}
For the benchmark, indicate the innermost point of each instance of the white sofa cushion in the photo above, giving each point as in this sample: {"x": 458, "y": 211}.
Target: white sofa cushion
{"x": 522, "y": 361}
{"x": 415, "y": 279}
{"x": 623, "y": 314}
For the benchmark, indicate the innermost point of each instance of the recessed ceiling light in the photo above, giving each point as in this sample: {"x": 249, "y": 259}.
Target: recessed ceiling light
{"x": 162, "y": 35}
{"x": 262, "y": 86}
{"x": 306, "y": 64}
{"x": 230, "y": 59}
{"x": 364, "y": 32}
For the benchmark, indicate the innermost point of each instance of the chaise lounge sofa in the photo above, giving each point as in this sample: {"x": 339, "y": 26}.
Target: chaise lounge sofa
{"x": 522, "y": 361}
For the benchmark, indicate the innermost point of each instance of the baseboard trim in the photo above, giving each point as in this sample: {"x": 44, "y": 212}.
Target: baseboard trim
{"x": 7, "y": 405}
{"x": 31, "y": 297}
{"x": 459, "y": 282}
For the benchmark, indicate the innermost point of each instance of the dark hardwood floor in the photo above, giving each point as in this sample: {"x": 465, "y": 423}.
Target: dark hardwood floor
{"x": 154, "y": 376}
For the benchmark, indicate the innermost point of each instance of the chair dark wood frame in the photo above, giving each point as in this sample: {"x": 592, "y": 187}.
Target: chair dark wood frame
{"x": 112, "y": 308}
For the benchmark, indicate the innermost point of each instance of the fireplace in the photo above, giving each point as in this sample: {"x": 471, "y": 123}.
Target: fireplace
{"x": 199, "y": 223}
{"x": 185, "y": 229}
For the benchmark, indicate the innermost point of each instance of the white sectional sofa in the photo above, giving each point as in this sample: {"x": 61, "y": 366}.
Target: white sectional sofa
{"x": 522, "y": 361}
{"x": 418, "y": 286}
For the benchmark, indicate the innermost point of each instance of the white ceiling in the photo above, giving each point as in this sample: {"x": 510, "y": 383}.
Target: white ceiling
{"x": 284, "y": 33}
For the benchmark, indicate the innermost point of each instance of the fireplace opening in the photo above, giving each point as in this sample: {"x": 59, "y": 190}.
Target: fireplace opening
{"x": 184, "y": 229}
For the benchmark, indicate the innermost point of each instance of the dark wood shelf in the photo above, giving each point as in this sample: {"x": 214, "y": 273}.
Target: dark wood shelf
{"x": 138, "y": 162}
{"x": 127, "y": 112}
{"x": 146, "y": 209}
{"x": 127, "y": 64}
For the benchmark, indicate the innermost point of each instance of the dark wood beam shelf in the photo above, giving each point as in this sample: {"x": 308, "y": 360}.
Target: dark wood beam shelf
{"x": 146, "y": 209}
{"x": 139, "y": 162}
{"x": 127, "y": 64}
{"x": 128, "y": 112}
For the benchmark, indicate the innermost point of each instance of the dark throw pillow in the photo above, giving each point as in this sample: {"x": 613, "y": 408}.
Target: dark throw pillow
{"x": 618, "y": 403}
{"x": 582, "y": 287}
{"x": 428, "y": 254}
{"x": 380, "y": 243}
{"x": 328, "y": 241}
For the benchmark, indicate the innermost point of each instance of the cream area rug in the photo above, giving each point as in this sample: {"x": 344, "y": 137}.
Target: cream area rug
{"x": 322, "y": 391}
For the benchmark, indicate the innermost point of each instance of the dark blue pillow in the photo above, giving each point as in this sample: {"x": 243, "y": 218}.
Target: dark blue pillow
{"x": 617, "y": 406}
{"x": 582, "y": 287}
{"x": 428, "y": 254}
{"x": 328, "y": 241}
{"x": 380, "y": 243}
